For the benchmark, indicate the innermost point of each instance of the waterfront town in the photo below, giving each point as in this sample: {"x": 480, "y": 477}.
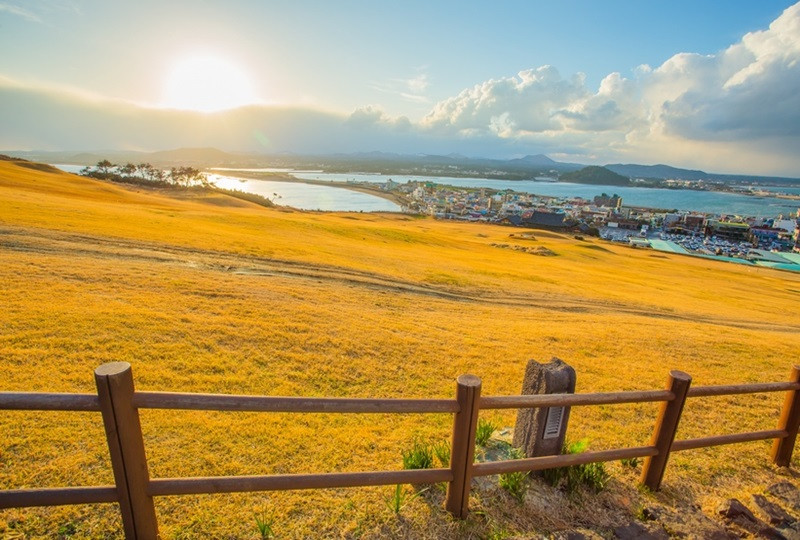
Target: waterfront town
{"x": 770, "y": 241}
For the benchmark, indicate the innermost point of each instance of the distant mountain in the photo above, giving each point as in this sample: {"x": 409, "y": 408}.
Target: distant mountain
{"x": 368, "y": 155}
{"x": 597, "y": 176}
{"x": 538, "y": 160}
{"x": 196, "y": 156}
{"x": 90, "y": 158}
{"x": 390, "y": 163}
{"x": 452, "y": 164}
{"x": 665, "y": 172}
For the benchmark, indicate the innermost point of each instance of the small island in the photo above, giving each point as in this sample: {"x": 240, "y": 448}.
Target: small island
{"x": 596, "y": 176}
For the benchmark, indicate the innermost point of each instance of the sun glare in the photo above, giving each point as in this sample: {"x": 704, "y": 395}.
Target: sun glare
{"x": 207, "y": 84}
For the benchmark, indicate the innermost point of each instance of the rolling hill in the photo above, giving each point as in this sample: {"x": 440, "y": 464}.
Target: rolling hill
{"x": 204, "y": 293}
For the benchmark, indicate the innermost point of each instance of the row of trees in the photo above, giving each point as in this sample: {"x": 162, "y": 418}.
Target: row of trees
{"x": 146, "y": 173}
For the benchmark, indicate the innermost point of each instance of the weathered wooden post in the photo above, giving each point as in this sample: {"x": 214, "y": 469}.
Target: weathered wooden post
{"x": 462, "y": 452}
{"x": 790, "y": 419}
{"x": 541, "y": 431}
{"x": 126, "y": 446}
{"x": 666, "y": 426}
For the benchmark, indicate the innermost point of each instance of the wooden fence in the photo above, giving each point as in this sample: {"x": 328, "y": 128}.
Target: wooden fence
{"x": 134, "y": 490}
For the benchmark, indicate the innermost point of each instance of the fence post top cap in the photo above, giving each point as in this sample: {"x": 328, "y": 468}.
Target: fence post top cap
{"x": 468, "y": 380}
{"x": 112, "y": 368}
{"x": 680, "y": 375}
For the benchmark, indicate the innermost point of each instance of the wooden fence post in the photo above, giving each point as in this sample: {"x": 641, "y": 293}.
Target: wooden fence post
{"x": 126, "y": 446}
{"x": 462, "y": 452}
{"x": 666, "y": 425}
{"x": 790, "y": 419}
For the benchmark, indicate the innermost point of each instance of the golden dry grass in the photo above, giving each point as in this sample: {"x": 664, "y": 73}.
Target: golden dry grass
{"x": 200, "y": 296}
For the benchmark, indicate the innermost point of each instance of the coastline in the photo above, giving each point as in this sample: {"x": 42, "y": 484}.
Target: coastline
{"x": 279, "y": 177}
{"x": 700, "y": 201}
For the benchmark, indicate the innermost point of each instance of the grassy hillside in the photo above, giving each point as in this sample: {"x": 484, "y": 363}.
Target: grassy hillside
{"x": 207, "y": 293}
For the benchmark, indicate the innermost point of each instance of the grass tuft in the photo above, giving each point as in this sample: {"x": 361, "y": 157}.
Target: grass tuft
{"x": 442, "y": 453}
{"x": 419, "y": 456}
{"x": 484, "y": 431}
{"x": 515, "y": 483}
{"x": 264, "y": 524}
{"x": 400, "y": 498}
{"x": 592, "y": 475}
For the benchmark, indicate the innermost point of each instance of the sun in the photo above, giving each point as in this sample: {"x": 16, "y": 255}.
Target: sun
{"x": 207, "y": 83}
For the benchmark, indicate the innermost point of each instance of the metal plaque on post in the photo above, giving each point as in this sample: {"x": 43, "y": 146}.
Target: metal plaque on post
{"x": 553, "y": 424}
{"x": 541, "y": 431}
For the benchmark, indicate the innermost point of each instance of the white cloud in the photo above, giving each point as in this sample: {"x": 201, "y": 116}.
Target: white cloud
{"x": 20, "y": 12}
{"x": 372, "y": 116}
{"x": 748, "y": 96}
{"x": 417, "y": 85}
{"x": 615, "y": 106}
{"x": 531, "y": 102}
{"x": 735, "y": 111}
{"x": 411, "y": 89}
{"x": 366, "y": 116}
{"x": 750, "y": 91}
{"x": 41, "y": 10}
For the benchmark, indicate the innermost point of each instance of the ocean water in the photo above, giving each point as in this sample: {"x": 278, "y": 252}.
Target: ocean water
{"x": 75, "y": 169}
{"x": 311, "y": 197}
{"x": 678, "y": 199}
{"x": 296, "y": 195}
{"x": 308, "y": 196}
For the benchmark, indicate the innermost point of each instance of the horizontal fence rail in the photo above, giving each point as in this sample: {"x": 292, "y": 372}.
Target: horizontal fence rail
{"x": 719, "y": 440}
{"x": 734, "y": 389}
{"x": 134, "y": 490}
{"x": 222, "y": 402}
{"x": 16, "y": 498}
{"x": 563, "y": 460}
{"x": 283, "y": 482}
{"x": 566, "y": 400}
{"x": 30, "y": 401}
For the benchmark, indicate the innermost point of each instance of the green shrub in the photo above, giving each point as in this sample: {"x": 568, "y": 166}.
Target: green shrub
{"x": 593, "y": 475}
{"x": 420, "y": 456}
{"x": 484, "y": 431}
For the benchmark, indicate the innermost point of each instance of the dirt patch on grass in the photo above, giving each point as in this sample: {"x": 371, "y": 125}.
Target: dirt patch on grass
{"x": 535, "y": 250}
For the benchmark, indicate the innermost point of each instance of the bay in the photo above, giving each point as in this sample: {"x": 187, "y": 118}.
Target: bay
{"x": 312, "y": 197}
{"x": 74, "y": 169}
{"x": 713, "y": 202}
{"x": 296, "y": 195}
{"x": 307, "y": 196}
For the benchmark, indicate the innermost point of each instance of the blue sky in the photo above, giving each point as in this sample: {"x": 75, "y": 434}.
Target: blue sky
{"x": 431, "y": 76}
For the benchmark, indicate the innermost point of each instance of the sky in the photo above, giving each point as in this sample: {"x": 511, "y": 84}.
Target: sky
{"x": 709, "y": 85}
